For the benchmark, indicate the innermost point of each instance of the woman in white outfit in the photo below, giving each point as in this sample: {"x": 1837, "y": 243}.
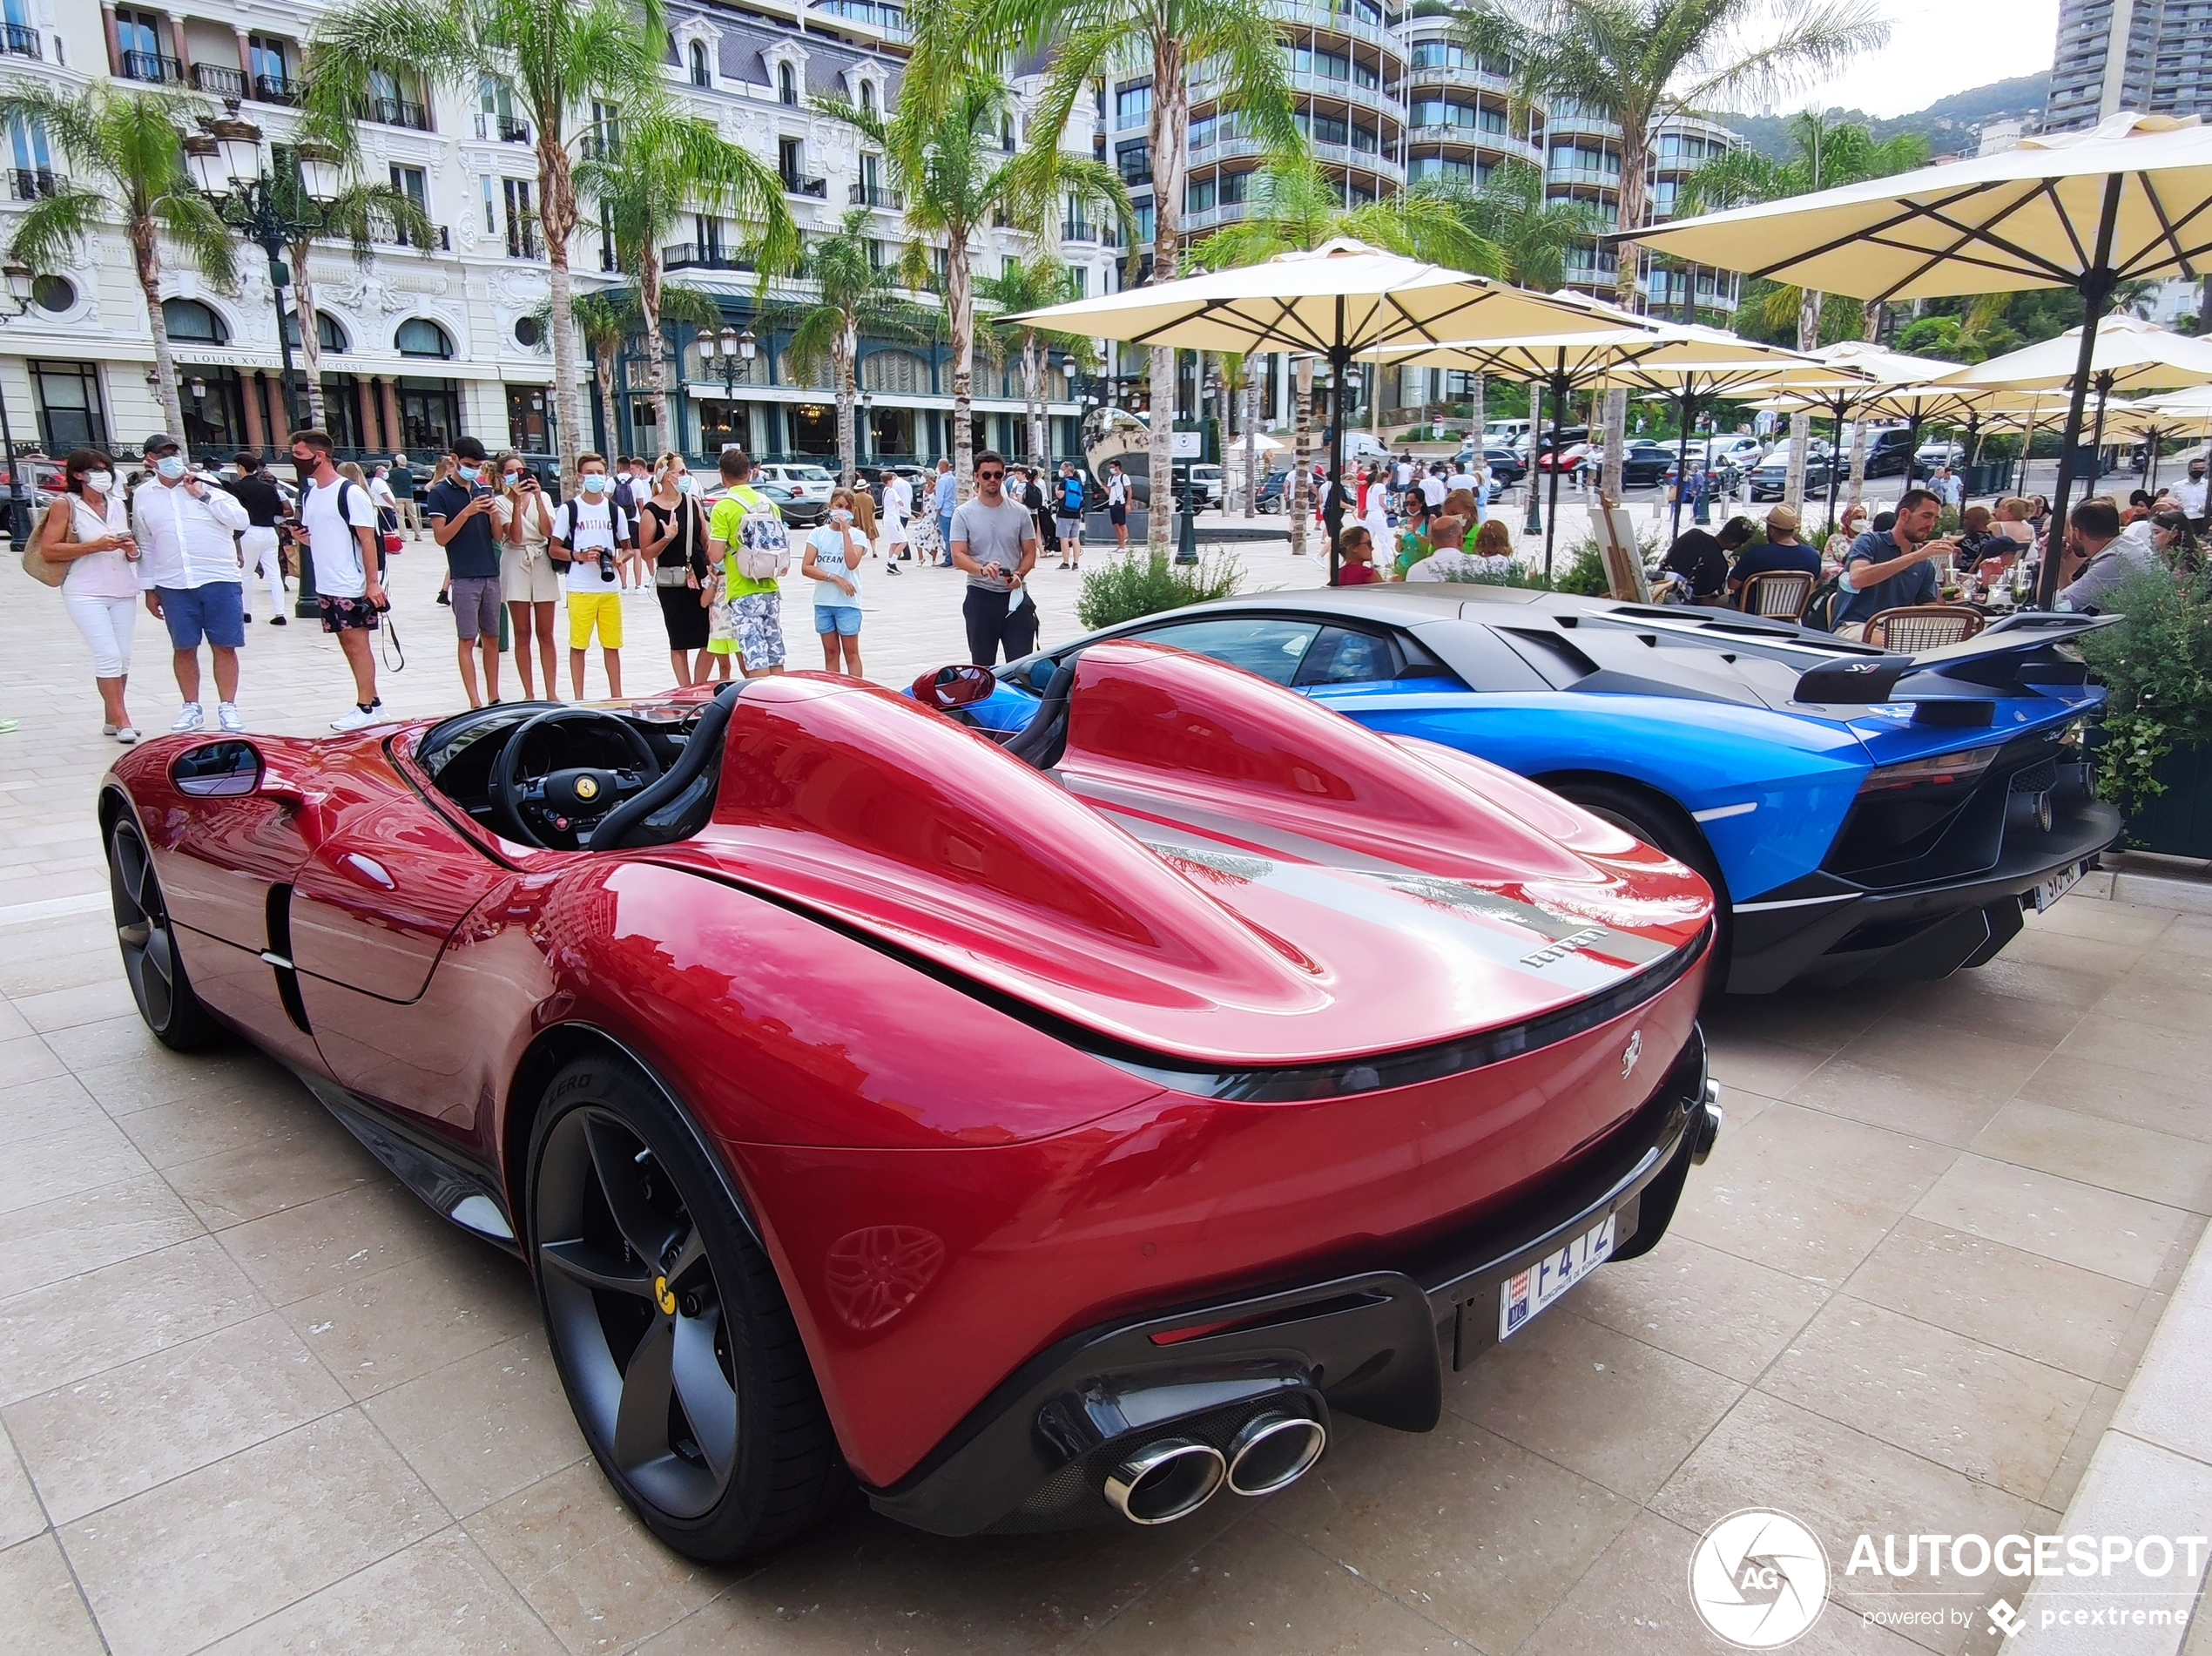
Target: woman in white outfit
{"x": 898, "y": 502}
{"x": 88, "y": 528}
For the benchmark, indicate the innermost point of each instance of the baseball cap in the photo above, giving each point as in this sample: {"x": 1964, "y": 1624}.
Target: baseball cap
{"x": 157, "y": 442}
{"x": 1782, "y": 521}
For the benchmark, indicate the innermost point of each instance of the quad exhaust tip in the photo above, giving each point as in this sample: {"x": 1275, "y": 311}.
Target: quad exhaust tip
{"x": 1165, "y": 1481}
{"x": 1272, "y": 1451}
{"x": 1705, "y": 1130}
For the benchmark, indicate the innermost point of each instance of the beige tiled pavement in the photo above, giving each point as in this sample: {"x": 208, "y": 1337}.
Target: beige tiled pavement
{"x": 253, "y": 1398}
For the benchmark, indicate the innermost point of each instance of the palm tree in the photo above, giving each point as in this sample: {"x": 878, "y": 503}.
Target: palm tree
{"x": 1640, "y": 63}
{"x": 645, "y": 172}
{"x": 1032, "y": 285}
{"x": 1824, "y": 156}
{"x": 607, "y": 320}
{"x": 127, "y": 150}
{"x": 1292, "y": 206}
{"x": 957, "y": 177}
{"x": 852, "y": 292}
{"x": 1238, "y": 43}
{"x": 557, "y": 55}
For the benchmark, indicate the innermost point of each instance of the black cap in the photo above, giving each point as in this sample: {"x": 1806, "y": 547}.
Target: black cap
{"x": 158, "y": 442}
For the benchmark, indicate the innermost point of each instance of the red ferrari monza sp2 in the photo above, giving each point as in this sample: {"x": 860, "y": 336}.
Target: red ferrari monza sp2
{"x": 1026, "y": 1133}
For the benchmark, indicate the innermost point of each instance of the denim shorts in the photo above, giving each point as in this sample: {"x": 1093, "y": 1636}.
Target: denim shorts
{"x": 215, "y": 612}
{"x": 841, "y": 619}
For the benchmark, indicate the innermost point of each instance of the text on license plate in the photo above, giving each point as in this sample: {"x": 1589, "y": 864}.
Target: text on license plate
{"x": 2049, "y": 891}
{"x": 1526, "y": 1294}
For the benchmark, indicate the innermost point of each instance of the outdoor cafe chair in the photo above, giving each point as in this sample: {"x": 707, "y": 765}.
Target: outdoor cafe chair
{"x": 1779, "y": 594}
{"x": 1923, "y": 626}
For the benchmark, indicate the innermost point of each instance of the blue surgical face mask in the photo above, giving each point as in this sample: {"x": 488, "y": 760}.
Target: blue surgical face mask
{"x": 467, "y": 474}
{"x": 171, "y": 467}
{"x": 687, "y": 484}
{"x": 593, "y": 482}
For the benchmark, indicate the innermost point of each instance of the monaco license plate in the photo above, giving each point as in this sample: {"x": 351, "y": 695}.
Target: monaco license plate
{"x": 1524, "y": 1294}
{"x": 2049, "y": 891}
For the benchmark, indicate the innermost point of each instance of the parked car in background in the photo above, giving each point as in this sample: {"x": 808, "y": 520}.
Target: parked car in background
{"x": 1769, "y": 478}
{"x": 799, "y": 511}
{"x": 1206, "y": 484}
{"x": 1740, "y": 449}
{"x": 1942, "y": 452}
{"x": 1274, "y": 491}
{"x": 1645, "y": 463}
{"x": 806, "y": 483}
{"x": 1508, "y": 464}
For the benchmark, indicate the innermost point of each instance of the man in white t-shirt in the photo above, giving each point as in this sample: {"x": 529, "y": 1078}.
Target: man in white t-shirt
{"x": 590, "y": 535}
{"x": 337, "y": 520}
{"x": 1433, "y": 488}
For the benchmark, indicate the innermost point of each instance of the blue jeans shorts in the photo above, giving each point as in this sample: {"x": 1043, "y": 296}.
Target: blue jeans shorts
{"x": 841, "y": 619}
{"x": 215, "y": 612}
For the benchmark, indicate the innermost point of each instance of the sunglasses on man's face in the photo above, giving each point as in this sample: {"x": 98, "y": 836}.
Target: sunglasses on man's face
{"x": 988, "y": 476}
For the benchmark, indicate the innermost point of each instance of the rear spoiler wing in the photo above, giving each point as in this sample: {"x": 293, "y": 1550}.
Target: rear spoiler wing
{"x": 2021, "y": 649}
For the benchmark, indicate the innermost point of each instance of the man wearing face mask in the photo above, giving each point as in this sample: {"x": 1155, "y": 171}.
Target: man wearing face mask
{"x": 188, "y": 568}
{"x": 337, "y": 520}
{"x": 590, "y": 534}
{"x": 463, "y": 511}
{"x": 2193, "y": 493}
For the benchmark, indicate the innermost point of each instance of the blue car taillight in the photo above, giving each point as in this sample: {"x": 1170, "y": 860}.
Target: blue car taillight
{"x": 1958, "y": 770}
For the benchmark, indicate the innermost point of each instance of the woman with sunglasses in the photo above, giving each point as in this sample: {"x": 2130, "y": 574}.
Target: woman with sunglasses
{"x": 672, "y": 530}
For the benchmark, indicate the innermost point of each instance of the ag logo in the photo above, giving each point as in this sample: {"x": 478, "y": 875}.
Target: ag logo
{"x": 1758, "y": 1579}
{"x": 1632, "y": 1055}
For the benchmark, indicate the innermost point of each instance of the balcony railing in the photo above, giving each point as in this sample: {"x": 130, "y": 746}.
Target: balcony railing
{"x": 523, "y": 241}
{"x": 153, "y": 66}
{"x": 1077, "y": 230}
{"x": 689, "y": 255}
{"x": 390, "y": 235}
{"x": 216, "y": 81}
{"x": 34, "y": 183}
{"x": 20, "y": 40}
{"x": 876, "y": 195}
{"x": 279, "y": 89}
{"x": 397, "y": 111}
{"x": 819, "y": 188}
{"x": 507, "y": 130}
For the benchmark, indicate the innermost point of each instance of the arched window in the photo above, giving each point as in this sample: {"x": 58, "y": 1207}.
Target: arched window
{"x": 901, "y": 373}
{"x": 328, "y": 333}
{"x": 867, "y": 96}
{"x": 701, "y": 75}
{"x": 188, "y": 319}
{"x": 419, "y": 337}
{"x": 786, "y": 85}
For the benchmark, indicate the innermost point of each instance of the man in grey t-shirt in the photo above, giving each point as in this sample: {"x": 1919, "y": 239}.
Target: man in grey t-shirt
{"x": 995, "y": 544}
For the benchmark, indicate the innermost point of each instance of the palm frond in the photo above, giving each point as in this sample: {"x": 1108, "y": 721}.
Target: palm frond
{"x": 53, "y": 232}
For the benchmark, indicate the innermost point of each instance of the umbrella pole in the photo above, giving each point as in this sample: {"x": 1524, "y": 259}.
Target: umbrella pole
{"x": 1913, "y": 450}
{"x": 1682, "y": 462}
{"x": 1534, "y": 523}
{"x": 1341, "y": 370}
{"x": 1559, "y": 411}
{"x": 2097, "y": 286}
{"x": 1835, "y": 453}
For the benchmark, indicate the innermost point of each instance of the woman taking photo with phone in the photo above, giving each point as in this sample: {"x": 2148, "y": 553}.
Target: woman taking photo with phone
{"x": 527, "y": 581}
{"x": 672, "y": 537}
{"x": 88, "y": 529}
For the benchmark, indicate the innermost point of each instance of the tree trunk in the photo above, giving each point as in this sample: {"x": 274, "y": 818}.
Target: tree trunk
{"x": 557, "y": 221}
{"x": 305, "y": 322}
{"x": 1478, "y": 416}
{"x": 1635, "y": 140}
{"x": 1793, "y": 489}
{"x": 1301, "y": 492}
{"x": 1170, "y": 137}
{"x": 848, "y": 346}
{"x": 960, "y": 308}
{"x": 1252, "y": 442}
{"x": 1033, "y": 399}
{"x": 1858, "y": 464}
{"x": 145, "y": 250}
{"x": 649, "y": 302}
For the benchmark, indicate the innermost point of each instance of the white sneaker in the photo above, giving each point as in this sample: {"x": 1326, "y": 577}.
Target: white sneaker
{"x": 354, "y": 718}
{"x": 125, "y": 734}
{"x": 107, "y": 730}
{"x": 232, "y": 720}
{"x": 192, "y": 717}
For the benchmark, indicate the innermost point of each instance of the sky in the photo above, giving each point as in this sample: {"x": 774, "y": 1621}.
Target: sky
{"x": 1939, "y": 47}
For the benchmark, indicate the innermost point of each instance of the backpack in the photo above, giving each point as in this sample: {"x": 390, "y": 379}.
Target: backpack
{"x": 763, "y": 551}
{"x": 1071, "y": 496}
{"x": 1821, "y": 607}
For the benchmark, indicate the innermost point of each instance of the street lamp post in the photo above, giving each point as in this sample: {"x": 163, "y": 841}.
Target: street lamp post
{"x": 20, "y": 279}
{"x": 730, "y": 347}
{"x": 868, "y": 417}
{"x": 227, "y": 163}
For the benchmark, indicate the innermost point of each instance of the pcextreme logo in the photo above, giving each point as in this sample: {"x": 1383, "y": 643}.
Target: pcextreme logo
{"x": 1758, "y": 1579}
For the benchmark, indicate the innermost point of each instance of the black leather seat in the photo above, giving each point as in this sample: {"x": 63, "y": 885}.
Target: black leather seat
{"x": 1045, "y": 738}
{"x": 681, "y": 799}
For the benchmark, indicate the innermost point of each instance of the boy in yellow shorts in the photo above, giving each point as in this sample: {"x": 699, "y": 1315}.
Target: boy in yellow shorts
{"x": 590, "y": 534}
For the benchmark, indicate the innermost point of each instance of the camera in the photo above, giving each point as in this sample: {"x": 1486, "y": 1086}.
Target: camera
{"x": 607, "y": 563}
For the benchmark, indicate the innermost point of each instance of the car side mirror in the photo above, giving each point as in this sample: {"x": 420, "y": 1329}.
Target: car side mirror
{"x": 951, "y": 687}
{"x": 218, "y": 770}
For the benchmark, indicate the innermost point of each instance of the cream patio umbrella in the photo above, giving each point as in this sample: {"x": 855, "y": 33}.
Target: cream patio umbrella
{"x": 2153, "y": 422}
{"x": 1568, "y": 361}
{"x": 1343, "y": 299}
{"x": 2129, "y": 355}
{"x": 2130, "y": 198}
{"x": 1860, "y": 372}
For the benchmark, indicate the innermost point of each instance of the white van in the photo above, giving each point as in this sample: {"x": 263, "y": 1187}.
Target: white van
{"x": 1513, "y": 434}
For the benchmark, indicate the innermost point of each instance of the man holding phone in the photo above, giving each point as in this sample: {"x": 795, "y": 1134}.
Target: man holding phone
{"x": 1894, "y": 568}
{"x": 995, "y": 544}
{"x": 462, "y": 514}
{"x": 338, "y": 521}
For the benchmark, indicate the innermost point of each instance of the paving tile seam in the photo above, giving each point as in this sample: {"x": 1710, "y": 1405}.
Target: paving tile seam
{"x": 61, "y": 1545}
{"x": 1160, "y": 1579}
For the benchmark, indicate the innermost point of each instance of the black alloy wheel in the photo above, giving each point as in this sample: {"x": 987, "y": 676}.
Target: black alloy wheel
{"x": 151, "y": 961}
{"x": 671, "y": 1336}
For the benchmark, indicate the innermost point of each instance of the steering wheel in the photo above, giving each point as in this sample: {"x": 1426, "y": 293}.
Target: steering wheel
{"x": 557, "y": 809}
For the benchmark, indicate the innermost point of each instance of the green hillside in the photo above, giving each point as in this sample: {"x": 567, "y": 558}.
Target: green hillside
{"x": 1948, "y": 123}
